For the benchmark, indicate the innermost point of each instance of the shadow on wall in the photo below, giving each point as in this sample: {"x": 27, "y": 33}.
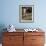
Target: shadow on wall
{"x": 2, "y": 27}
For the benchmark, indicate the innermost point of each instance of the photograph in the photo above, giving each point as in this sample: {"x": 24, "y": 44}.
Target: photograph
{"x": 26, "y": 13}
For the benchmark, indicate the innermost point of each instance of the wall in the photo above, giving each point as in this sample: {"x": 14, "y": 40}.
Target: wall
{"x": 10, "y": 13}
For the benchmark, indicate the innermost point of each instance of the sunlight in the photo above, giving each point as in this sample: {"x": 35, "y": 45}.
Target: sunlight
{"x": 44, "y": 44}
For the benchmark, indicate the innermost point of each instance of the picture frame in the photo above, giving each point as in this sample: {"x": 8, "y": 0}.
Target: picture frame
{"x": 26, "y": 13}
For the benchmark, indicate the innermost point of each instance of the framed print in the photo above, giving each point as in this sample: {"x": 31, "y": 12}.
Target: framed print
{"x": 26, "y": 13}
